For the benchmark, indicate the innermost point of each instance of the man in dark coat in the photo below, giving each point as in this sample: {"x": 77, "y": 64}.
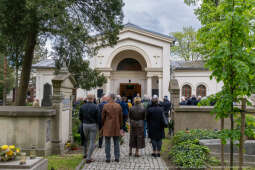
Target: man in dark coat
{"x": 89, "y": 117}
{"x": 101, "y": 106}
{"x": 155, "y": 122}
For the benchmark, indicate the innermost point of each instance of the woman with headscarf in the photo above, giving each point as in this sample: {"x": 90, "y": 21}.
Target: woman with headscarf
{"x": 137, "y": 117}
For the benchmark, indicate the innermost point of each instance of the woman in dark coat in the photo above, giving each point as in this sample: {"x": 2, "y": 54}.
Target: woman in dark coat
{"x": 137, "y": 117}
{"x": 155, "y": 122}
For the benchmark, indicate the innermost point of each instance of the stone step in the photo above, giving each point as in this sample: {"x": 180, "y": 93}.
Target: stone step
{"x": 249, "y": 160}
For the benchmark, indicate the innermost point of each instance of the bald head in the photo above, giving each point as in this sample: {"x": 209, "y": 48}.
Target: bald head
{"x": 90, "y": 97}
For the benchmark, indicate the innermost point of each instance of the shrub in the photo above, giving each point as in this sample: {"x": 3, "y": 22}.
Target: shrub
{"x": 189, "y": 154}
{"x": 186, "y": 151}
{"x": 193, "y": 134}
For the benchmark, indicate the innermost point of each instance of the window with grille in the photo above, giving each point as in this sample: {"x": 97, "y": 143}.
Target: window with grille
{"x": 186, "y": 91}
{"x": 201, "y": 90}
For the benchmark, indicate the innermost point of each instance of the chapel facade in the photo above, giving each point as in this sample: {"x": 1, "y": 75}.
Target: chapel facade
{"x": 138, "y": 64}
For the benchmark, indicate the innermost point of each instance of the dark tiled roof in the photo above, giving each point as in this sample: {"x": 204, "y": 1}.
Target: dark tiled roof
{"x": 143, "y": 29}
{"x": 48, "y": 63}
{"x": 188, "y": 65}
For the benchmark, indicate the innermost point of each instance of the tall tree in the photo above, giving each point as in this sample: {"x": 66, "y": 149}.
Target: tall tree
{"x": 227, "y": 39}
{"x": 72, "y": 23}
{"x": 186, "y": 44}
{"x": 6, "y": 78}
{"x": 86, "y": 77}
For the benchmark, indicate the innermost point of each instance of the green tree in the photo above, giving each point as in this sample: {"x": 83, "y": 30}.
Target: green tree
{"x": 186, "y": 44}
{"x": 227, "y": 39}
{"x": 6, "y": 78}
{"x": 71, "y": 23}
{"x": 86, "y": 77}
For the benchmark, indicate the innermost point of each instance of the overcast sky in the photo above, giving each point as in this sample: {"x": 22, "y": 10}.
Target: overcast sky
{"x": 163, "y": 16}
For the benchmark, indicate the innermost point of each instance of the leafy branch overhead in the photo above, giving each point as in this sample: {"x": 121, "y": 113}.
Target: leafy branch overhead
{"x": 70, "y": 25}
{"x": 86, "y": 77}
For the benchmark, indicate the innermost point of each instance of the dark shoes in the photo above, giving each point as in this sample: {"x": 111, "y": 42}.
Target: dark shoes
{"x": 90, "y": 161}
{"x": 84, "y": 156}
{"x": 116, "y": 160}
{"x": 155, "y": 155}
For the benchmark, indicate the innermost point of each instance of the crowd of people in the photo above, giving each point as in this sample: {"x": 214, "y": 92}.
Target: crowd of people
{"x": 193, "y": 100}
{"x": 109, "y": 117}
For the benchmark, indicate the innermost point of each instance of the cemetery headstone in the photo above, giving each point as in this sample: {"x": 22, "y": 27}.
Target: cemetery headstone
{"x": 47, "y": 94}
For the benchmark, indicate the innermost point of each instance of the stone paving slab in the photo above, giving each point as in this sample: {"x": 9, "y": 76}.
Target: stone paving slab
{"x": 145, "y": 161}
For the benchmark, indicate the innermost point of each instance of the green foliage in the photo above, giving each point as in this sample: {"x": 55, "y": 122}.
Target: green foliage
{"x": 187, "y": 153}
{"x": 227, "y": 40}
{"x": 9, "y": 79}
{"x": 76, "y": 135}
{"x": 209, "y": 101}
{"x": 70, "y": 25}
{"x": 86, "y": 77}
{"x": 186, "y": 44}
{"x": 194, "y": 135}
{"x": 76, "y": 123}
{"x": 64, "y": 161}
{"x": 249, "y": 125}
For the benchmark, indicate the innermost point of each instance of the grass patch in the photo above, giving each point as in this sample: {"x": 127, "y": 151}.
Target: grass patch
{"x": 69, "y": 161}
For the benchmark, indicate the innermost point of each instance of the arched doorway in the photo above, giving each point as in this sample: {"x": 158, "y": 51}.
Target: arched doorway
{"x": 128, "y": 77}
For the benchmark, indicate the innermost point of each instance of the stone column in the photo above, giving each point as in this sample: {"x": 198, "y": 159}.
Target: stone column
{"x": 149, "y": 85}
{"x": 175, "y": 92}
{"x": 160, "y": 87}
{"x": 108, "y": 85}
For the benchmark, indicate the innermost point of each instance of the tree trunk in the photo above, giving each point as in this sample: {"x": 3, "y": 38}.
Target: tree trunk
{"x": 16, "y": 82}
{"x": 5, "y": 83}
{"x": 26, "y": 66}
{"x": 241, "y": 142}
{"x": 231, "y": 142}
{"x": 222, "y": 145}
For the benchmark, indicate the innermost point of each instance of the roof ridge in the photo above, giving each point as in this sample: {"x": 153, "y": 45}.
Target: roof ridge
{"x": 129, "y": 24}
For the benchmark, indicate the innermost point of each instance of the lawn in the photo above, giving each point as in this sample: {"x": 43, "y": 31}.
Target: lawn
{"x": 69, "y": 161}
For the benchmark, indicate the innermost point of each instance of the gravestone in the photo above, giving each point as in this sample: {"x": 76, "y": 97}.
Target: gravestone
{"x": 47, "y": 94}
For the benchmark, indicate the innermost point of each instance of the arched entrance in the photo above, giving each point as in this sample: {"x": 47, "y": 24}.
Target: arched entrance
{"x": 128, "y": 74}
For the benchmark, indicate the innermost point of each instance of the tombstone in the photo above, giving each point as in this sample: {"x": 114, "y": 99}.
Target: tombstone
{"x": 63, "y": 87}
{"x": 47, "y": 94}
{"x": 174, "y": 90}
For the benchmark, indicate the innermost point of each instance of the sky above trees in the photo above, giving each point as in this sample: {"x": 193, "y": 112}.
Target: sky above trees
{"x": 162, "y": 16}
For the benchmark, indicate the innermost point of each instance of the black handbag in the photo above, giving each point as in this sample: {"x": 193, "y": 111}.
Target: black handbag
{"x": 165, "y": 120}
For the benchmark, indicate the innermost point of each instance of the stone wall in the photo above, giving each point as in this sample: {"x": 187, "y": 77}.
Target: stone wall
{"x": 195, "y": 117}
{"x": 26, "y": 126}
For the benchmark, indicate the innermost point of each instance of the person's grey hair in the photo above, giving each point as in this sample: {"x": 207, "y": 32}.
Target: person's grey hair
{"x": 112, "y": 96}
{"x": 145, "y": 97}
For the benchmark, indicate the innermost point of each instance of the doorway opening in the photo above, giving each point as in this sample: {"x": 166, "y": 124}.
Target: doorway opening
{"x": 130, "y": 90}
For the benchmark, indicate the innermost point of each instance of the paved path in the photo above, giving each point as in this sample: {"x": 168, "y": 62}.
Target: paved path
{"x": 146, "y": 161}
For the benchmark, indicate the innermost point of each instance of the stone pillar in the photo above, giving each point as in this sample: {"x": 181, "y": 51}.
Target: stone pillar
{"x": 175, "y": 92}
{"x": 149, "y": 85}
{"x": 108, "y": 85}
{"x": 160, "y": 87}
{"x": 63, "y": 85}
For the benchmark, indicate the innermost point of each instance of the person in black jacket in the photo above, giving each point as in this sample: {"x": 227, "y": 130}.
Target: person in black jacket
{"x": 155, "y": 122}
{"x": 101, "y": 106}
{"x": 166, "y": 104}
{"x": 88, "y": 115}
